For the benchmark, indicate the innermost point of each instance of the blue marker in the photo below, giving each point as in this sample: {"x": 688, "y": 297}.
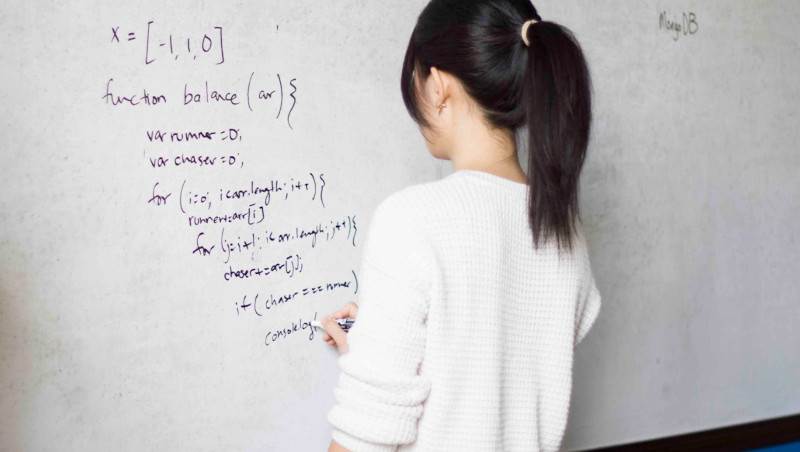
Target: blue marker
{"x": 344, "y": 324}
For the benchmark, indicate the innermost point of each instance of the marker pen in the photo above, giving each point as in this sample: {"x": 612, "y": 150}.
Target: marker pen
{"x": 345, "y": 324}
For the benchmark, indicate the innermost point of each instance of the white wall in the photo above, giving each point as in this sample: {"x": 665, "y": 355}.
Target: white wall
{"x": 691, "y": 195}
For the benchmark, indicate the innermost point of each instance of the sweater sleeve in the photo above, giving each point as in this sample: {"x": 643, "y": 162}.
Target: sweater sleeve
{"x": 380, "y": 394}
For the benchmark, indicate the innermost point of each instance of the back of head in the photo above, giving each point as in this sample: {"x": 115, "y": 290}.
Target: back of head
{"x": 522, "y": 72}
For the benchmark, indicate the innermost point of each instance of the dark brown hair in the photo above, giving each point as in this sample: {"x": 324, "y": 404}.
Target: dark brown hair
{"x": 545, "y": 87}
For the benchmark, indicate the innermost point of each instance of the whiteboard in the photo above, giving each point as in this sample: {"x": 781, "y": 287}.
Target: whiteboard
{"x": 160, "y": 261}
{"x": 185, "y": 188}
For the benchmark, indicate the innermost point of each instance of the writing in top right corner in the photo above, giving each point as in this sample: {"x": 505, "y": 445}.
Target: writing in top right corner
{"x": 684, "y": 24}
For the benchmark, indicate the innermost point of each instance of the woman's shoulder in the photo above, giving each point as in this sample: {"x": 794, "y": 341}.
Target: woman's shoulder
{"x": 415, "y": 199}
{"x": 458, "y": 191}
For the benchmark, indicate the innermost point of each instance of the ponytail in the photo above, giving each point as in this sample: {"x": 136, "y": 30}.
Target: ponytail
{"x": 558, "y": 100}
{"x": 538, "y": 80}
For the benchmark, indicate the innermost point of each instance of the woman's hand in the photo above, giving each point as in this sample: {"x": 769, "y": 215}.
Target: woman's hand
{"x": 334, "y": 334}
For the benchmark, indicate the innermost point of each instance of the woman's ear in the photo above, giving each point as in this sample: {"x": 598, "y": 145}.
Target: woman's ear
{"x": 440, "y": 86}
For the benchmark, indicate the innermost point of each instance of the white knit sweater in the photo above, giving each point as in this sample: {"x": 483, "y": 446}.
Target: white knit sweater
{"x": 465, "y": 334}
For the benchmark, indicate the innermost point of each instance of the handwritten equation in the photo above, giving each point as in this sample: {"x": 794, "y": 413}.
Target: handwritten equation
{"x": 160, "y": 46}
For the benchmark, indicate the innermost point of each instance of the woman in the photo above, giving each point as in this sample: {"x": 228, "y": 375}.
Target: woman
{"x": 475, "y": 288}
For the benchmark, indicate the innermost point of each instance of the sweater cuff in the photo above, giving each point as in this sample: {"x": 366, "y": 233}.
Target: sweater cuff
{"x": 358, "y": 445}
{"x": 590, "y": 312}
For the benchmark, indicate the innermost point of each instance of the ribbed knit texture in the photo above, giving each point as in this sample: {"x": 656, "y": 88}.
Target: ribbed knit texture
{"x": 465, "y": 334}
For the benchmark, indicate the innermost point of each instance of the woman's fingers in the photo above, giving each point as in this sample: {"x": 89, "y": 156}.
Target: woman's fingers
{"x": 334, "y": 334}
{"x": 348, "y": 311}
{"x": 337, "y": 334}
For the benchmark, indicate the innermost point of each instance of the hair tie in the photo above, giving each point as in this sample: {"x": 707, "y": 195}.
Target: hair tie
{"x": 525, "y": 27}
